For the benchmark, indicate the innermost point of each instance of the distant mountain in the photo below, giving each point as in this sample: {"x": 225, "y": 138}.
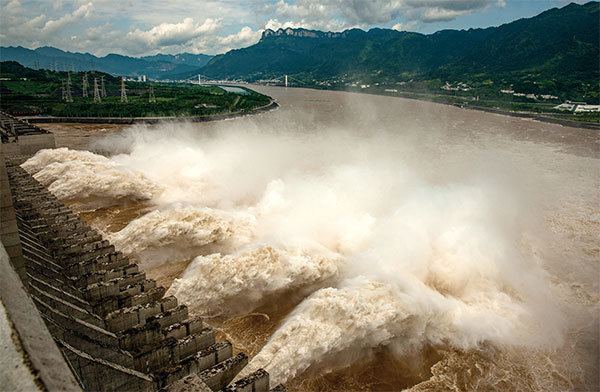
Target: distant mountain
{"x": 320, "y": 54}
{"x": 152, "y": 66}
{"x": 554, "y": 47}
{"x": 193, "y": 60}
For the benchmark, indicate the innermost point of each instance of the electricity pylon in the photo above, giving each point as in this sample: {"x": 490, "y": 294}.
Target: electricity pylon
{"x": 96, "y": 91}
{"x": 102, "y": 88}
{"x": 84, "y": 92}
{"x": 151, "y": 97}
{"x": 123, "y": 92}
{"x": 69, "y": 97}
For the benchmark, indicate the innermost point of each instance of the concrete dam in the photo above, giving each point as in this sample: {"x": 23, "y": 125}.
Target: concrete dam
{"x": 84, "y": 317}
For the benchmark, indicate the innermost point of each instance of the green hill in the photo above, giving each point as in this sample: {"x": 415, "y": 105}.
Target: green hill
{"x": 25, "y": 91}
{"x": 555, "y": 52}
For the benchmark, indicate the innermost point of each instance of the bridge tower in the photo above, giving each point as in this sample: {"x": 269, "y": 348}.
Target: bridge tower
{"x": 123, "y": 91}
{"x": 96, "y": 91}
{"x": 84, "y": 88}
{"x": 286, "y": 81}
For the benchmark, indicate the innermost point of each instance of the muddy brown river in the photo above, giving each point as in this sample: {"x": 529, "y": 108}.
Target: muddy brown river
{"x": 352, "y": 242}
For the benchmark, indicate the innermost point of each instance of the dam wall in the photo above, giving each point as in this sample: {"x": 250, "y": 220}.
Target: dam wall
{"x": 87, "y": 317}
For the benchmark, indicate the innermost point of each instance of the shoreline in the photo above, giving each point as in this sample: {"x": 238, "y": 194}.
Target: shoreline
{"x": 534, "y": 116}
{"x": 530, "y": 115}
{"x": 147, "y": 120}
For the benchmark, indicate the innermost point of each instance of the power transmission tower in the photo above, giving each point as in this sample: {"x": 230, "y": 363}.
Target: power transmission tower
{"x": 151, "y": 97}
{"x": 123, "y": 92}
{"x": 85, "y": 86}
{"x": 69, "y": 97}
{"x": 96, "y": 92}
{"x": 63, "y": 91}
{"x": 102, "y": 89}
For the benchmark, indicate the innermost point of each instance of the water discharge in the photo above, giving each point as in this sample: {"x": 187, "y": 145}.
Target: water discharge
{"x": 405, "y": 238}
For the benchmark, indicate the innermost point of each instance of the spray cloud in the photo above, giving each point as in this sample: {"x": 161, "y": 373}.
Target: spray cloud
{"x": 404, "y": 242}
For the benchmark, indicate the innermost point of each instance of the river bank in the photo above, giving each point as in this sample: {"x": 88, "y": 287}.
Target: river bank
{"x": 147, "y": 120}
{"x": 547, "y": 118}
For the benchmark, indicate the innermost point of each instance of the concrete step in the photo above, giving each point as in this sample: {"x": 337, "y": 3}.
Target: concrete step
{"x": 221, "y": 374}
{"x": 257, "y": 381}
{"x": 172, "y": 351}
{"x": 197, "y": 363}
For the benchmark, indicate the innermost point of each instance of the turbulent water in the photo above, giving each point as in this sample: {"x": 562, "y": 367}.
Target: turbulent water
{"x": 463, "y": 246}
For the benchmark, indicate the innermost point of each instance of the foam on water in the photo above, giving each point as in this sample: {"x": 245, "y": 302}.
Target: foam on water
{"x": 182, "y": 229}
{"x": 403, "y": 245}
{"x": 82, "y": 175}
{"x": 217, "y": 283}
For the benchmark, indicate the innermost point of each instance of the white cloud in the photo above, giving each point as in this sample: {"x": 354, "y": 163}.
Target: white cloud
{"x": 404, "y": 26}
{"x": 169, "y": 34}
{"x": 440, "y": 15}
{"x": 137, "y": 27}
{"x": 18, "y": 27}
{"x": 54, "y": 26}
{"x": 325, "y": 25}
{"x": 371, "y": 12}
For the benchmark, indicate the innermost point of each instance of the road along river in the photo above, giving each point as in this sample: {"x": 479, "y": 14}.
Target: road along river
{"x": 359, "y": 242}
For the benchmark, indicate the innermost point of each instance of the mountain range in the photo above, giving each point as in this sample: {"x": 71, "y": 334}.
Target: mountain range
{"x": 556, "y": 52}
{"x": 152, "y": 66}
{"x": 558, "y": 44}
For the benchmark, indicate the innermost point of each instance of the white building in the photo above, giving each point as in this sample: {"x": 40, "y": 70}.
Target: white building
{"x": 578, "y": 107}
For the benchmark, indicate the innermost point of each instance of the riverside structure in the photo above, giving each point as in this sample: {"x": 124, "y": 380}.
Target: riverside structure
{"x": 87, "y": 318}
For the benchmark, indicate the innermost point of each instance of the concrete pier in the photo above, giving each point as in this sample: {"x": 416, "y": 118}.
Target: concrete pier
{"x": 87, "y": 318}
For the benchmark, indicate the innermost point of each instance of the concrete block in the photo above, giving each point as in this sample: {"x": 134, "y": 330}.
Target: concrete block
{"x": 173, "y": 316}
{"x": 168, "y": 303}
{"x": 149, "y": 310}
{"x": 257, "y": 381}
{"x": 175, "y": 331}
{"x": 190, "y": 345}
{"x": 122, "y": 320}
{"x": 218, "y": 376}
{"x": 193, "y": 324}
{"x": 191, "y": 383}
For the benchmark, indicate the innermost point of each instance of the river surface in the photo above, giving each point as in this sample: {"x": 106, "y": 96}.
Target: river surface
{"x": 359, "y": 242}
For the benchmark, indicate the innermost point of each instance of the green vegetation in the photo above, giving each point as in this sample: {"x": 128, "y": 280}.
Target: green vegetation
{"x": 31, "y": 92}
{"x": 554, "y": 54}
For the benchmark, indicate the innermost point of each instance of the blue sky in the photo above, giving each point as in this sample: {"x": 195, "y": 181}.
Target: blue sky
{"x": 142, "y": 27}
